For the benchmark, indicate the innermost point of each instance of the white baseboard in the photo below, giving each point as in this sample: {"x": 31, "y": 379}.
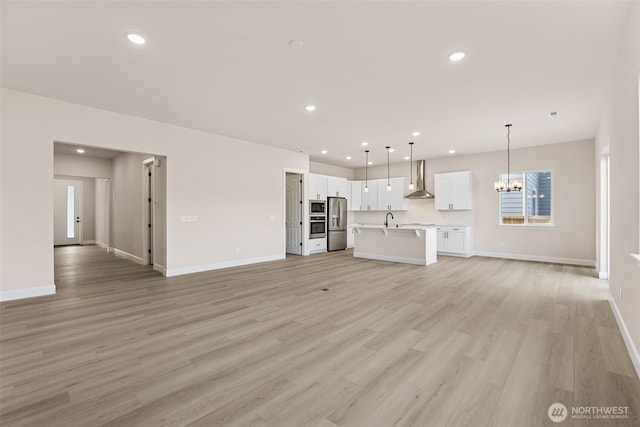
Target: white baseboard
{"x": 631, "y": 348}
{"x": 102, "y": 245}
{"x": 127, "y": 255}
{"x": 39, "y": 291}
{"x": 603, "y": 275}
{"x": 538, "y": 258}
{"x": 170, "y": 272}
{"x": 416, "y": 261}
{"x": 160, "y": 268}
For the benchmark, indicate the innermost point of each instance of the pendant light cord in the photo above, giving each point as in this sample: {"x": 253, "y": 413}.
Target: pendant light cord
{"x": 411, "y": 163}
{"x": 508, "y": 156}
{"x": 388, "y": 175}
{"x": 366, "y": 169}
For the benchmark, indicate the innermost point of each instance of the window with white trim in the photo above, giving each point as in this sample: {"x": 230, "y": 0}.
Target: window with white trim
{"x": 533, "y": 205}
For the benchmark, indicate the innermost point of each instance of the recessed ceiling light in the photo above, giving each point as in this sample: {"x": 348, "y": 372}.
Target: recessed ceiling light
{"x": 348, "y": 157}
{"x": 452, "y": 151}
{"x": 416, "y": 133}
{"x": 365, "y": 143}
{"x": 407, "y": 157}
{"x": 296, "y": 44}
{"x": 457, "y": 56}
{"x": 310, "y": 108}
{"x": 554, "y": 115}
{"x": 80, "y": 150}
{"x": 324, "y": 151}
{"x": 135, "y": 38}
{"x": 370, "y": 163}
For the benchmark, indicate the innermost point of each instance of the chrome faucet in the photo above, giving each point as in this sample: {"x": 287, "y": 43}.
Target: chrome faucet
{"x": 386, "y": 219}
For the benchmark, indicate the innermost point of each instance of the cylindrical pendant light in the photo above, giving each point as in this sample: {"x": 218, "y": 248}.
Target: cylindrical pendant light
{"x": 366, "y": 171}
{"x": 388, "y": 175}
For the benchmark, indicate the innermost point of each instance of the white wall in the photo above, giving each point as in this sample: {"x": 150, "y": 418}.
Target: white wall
{"x": 102, "y": 206}
{"x": 572, "y": 240}
{"x": 619, "y": 130}
{"x": 66, "y": 164}
{"x": 331, "y": 170}
{"x": 236, "y": 188}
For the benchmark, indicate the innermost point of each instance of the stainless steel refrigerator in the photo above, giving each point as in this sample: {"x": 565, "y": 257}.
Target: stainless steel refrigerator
{"x": 336, "y": 223}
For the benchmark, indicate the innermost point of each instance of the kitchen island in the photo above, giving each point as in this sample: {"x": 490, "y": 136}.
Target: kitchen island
{"x": 411, "y": 244}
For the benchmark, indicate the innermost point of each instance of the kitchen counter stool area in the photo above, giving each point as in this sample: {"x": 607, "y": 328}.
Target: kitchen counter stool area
{"x": 410, "y": 244}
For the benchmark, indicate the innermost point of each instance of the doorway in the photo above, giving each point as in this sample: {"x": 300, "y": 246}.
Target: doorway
{"x": 67, "y": 212}
{"x": 294, "y": 213}
{"x": 605, "y": 214}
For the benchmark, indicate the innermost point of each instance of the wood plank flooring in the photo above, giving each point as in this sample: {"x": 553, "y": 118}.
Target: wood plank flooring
{"x": 477, "y": 342}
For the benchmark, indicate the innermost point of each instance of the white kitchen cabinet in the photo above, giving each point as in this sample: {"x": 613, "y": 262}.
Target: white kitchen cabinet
{"x": 453, "y": 191}
{"x": 317, "y": 187}
{"x": 392, "y": 200}
{"x": 370, "y": 198}
{"x": 355, "y": 201}
{"x": 336, "y": 187}
{"x": 350, "y": 236}
{"x": 317, "y": 245}
{"x": 455, "y": 240}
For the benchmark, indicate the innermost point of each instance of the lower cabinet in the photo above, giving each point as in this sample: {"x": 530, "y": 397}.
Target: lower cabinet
{"x": 350, "y": 236}
{"x": 455, "y": 240}
{"x": 317, "y": 245}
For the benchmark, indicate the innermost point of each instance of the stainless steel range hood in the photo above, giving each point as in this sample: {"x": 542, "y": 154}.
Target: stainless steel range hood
{"x": 421, "y": 192}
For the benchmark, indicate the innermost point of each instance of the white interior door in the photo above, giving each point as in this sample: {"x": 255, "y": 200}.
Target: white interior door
{"x": 67, "y": 212}
{"x": 294, "y": 214}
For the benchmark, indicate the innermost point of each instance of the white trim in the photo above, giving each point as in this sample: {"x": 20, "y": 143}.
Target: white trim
{"x": 170, "y": 272}
{"x": 603, "y": 275}
{"x": 127, "y": 255}
{"x": 88, "y": 242}
{"x": 416, "y": 261}
{"x": 103, "y": 246}
{"x": 539, "y": 258}
{"x": 39, "y": 291}
{"x": 160, "y": 268}
{"x": 631, "y": 348}
{"x": 636, "y": 257}
{"x": 458, "y": 254}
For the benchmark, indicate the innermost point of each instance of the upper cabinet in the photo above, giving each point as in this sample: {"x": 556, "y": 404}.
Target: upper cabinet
{"x": 370, "y": 197}
{"x": 354, "y": 203}
{"x": 392, "y": 200}
{"x": 318, "y": 186}
{"x": 453, "y": 191}
{"x": 336, "y": 187}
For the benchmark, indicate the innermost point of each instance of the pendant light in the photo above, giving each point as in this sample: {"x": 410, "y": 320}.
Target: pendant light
{"x": 411, "y": 186}
{"x": 388, "y": 175}
{"x": 510, "y": 185}
{"x": 366, "y": 171}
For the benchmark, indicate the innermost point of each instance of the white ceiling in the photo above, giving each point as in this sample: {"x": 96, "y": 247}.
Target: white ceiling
{"x": 375, "y": 70}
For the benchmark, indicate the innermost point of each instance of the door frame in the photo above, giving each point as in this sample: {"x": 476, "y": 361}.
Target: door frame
{"x": 605, "y": 215}
{"x": 305, "y": 210}
{"x": 148, "y": 213}
{"x": 80, "y": 207}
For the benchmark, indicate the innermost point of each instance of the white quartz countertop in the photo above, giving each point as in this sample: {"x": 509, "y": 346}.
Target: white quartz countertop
{"x": 394, "y": 227}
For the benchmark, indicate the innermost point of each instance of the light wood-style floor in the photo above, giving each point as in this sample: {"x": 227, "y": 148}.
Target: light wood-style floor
{"x": 473, "y": 342}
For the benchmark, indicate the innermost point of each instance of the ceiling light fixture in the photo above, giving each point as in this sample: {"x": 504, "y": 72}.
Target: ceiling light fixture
{"x": 369, "y": 163}
{"x": 411, "y": 186}
{"x": 457, "y": 56}
{"x": 554, "y": 115}
{"x": 324, "y": 151}
{"x": 348, "y": 157}
{"x": 365, "y": 143}
{"x": 416, "y": 133}
{"x": 510, "y": 185}
{"x": 80, "y": 150}
{"x": 388, "y": 174}
{"x": 310, "y": 108}
{"x": 296, "y": 44}
{"x": 452, "y": 151}
{"x": 366, "y": 171}
{"x": 135, "y": 38}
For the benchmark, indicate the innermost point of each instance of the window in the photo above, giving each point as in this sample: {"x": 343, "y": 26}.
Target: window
{"x": 532, "y": 205}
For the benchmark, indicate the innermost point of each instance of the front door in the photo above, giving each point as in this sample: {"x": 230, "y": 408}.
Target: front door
{"x": 67, "y": 212}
